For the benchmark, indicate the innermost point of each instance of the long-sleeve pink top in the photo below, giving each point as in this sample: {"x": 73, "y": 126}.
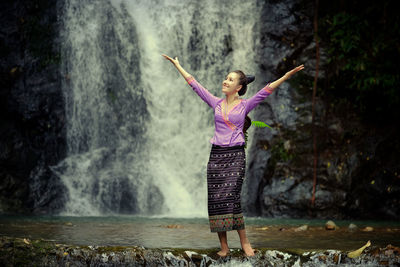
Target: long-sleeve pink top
{"x": 229, "y": 124}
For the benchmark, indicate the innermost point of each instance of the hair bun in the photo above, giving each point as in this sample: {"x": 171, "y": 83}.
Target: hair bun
{"x": 250, "y": 78}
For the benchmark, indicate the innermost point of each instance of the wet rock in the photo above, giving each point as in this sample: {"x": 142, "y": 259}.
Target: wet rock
{"x": 375, "y": 252}
{"x": 32, "y": 124}
{"x": 301, "y": 228}
{"x": 342, "y": 169}
{"x": 368, "y": 229}
{"x": 353, "y": 227}
{"x": 336, "y": 258}
{"x": 197, "y": 258}
{"x": 395, "y": 249}
{"x": 330, "y": 225}
{"x": 322, "y": 258}
{"x": 389, "y": 252}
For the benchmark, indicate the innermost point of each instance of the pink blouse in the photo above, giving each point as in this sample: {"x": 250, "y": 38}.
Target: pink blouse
{"x": 229, "y": 125}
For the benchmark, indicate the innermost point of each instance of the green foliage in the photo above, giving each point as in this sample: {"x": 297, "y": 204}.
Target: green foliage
{"x": 260, "y": 124}
{"x": 279, "y": 153}
{"x": 362, "y": 42}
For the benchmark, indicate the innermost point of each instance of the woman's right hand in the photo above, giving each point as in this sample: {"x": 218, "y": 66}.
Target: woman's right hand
{"x": 178, "y": 66}
{"x": 173, "y": 61}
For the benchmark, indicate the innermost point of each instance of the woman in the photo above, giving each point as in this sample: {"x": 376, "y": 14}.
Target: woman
{"x": 227, "y": 162}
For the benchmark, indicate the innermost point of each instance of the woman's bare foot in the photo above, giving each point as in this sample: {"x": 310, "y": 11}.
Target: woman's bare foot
{"x": 248, "y": 249}
{"x": 223, "y": 253}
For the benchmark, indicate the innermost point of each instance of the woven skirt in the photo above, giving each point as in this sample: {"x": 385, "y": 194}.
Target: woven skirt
{"x": 225, "y": 174}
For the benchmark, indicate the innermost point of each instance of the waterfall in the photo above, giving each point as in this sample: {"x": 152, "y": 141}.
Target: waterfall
{"x": 138, "y": 136}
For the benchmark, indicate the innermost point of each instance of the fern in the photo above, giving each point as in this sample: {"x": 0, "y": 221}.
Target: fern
{"x": 260, "y": 124}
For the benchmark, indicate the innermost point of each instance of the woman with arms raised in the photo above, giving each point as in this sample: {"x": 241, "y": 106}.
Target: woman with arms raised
{"x": 227, "y": 161}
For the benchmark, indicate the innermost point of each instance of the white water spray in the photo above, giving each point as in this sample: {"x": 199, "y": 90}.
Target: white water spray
{"x": 138, "y": 136}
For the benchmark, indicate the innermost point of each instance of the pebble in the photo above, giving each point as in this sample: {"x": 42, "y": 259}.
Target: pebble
{"x": 368, "y": 229}
{"x": 353, "y": 227}
{"x": 174, "y": 226}
{"x": 330, "y": 225}
{"x": 301, "y": 228}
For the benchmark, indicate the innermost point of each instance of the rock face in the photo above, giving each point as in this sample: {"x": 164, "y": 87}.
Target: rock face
{"x": 357, "y": 173}
{"x": 32, "y": 109}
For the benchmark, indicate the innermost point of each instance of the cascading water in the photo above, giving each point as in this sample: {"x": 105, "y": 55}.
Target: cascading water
{"x": 138, "y": 136}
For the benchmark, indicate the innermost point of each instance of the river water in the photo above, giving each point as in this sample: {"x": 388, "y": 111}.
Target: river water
{"x": 194, "y": 233}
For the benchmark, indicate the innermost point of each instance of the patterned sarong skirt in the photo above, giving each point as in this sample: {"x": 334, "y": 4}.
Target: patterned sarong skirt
{"x": 225, "y": 174}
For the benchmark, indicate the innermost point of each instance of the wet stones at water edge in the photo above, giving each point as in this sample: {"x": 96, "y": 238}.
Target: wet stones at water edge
{"x": 330, "y": 225}
{"x": 25, "y": 252}
{"x": 297, "y": 229}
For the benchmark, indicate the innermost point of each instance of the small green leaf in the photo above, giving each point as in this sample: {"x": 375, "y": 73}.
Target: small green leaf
{"x": 260, "y": 124}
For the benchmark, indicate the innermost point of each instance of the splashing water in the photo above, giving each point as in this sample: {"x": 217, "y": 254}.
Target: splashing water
{"x": 138, "y": 136}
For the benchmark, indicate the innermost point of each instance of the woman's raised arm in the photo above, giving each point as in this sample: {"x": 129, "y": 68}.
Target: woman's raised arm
{"x": 178, "y": 66}
{"x": 286, "y": 76}
{"x": 204, "y": 94}
{"x": 253, "y": 101}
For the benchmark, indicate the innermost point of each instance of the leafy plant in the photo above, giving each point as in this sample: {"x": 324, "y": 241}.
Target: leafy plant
{"x": 362, "y": 45}
{"x": 258, "y": 124}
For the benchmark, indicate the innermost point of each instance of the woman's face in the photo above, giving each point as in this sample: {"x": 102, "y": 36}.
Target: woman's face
{"x": 231, "y": 84}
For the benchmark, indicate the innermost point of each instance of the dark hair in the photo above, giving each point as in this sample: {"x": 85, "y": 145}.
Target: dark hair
{"x": 244, "y": 80}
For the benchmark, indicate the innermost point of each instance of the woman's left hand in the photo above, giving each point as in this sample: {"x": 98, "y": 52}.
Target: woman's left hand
{"x": 293, "y": 71}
